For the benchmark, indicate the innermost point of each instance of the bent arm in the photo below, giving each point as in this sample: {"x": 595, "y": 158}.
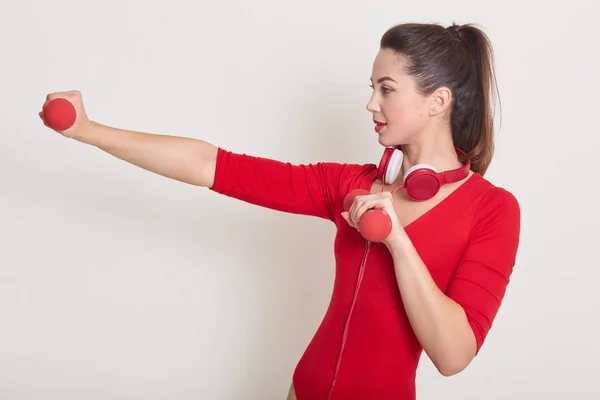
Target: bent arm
{"x": 439, "y": 323}
{"x": 187, "y": 160}
{"x": 452, "y": 325}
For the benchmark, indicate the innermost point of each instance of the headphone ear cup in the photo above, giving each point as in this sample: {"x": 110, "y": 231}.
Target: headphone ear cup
{"x": 383, "y": 164}
{"x": 390, "y": 164}
{"x": 393, "y": 167}
{"x": 421, "y": 183}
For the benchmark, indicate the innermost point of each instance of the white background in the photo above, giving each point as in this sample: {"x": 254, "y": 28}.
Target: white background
{"x": 119, "y": 284}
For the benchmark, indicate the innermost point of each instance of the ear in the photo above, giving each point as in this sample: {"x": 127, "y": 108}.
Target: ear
{"x": 440, "y": 101}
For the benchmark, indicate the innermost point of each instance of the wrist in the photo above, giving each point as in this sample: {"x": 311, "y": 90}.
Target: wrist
{"x": 87, "y": 132}
{"x": 399, "y": 244}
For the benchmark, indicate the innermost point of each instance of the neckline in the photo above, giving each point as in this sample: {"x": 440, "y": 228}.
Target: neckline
{"x": 446, "y": 200}
{"x": 474, "y": 176}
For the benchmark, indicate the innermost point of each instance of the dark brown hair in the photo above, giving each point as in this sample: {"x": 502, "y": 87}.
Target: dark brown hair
{"x": 459, "y": 57}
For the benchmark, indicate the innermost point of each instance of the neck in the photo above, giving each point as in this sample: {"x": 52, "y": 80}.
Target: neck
{"x": 437, "y": 151}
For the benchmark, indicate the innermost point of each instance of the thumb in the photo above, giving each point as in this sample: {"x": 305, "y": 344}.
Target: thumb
{"x": 346, "y": 216}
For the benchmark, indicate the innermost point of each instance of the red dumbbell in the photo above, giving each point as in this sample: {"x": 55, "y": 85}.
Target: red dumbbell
{"x": 374, "y": 225}
{"x": 59, "y": 114}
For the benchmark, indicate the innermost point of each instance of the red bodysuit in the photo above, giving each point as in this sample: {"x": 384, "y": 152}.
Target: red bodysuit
{"x": 468, "y": 243}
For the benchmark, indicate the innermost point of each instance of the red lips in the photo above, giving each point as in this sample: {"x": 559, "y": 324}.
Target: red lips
{"x": 379, "y": 125}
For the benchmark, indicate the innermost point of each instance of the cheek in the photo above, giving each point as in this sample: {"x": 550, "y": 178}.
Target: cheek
{"x": 394, "y": 110}
{"x": 403, "y": 113}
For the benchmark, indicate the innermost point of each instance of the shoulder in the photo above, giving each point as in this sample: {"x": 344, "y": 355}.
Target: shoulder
{"x": 339, "y": 179}
{"x": 497, "y": 207}
{"x": 352, "y": 176}
{"x": 493, "y": 196}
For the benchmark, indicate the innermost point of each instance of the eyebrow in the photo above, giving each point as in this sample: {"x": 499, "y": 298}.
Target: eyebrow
{"x": 385, "y": 78}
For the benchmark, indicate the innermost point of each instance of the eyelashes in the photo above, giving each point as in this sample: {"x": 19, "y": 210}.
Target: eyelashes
{"x": 384, "y": 89}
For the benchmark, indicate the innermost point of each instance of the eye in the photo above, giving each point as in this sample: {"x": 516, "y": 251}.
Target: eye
{"x": 384, "y": 89}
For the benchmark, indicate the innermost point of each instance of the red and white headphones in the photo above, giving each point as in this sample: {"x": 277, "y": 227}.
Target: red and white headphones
{"x": 421, "y": 181}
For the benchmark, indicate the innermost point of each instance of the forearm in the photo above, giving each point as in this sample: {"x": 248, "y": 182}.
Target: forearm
{"x": 184, "y": 159}
{"x": 439, "y": 323}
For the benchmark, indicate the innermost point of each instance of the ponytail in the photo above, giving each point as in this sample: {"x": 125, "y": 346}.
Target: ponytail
{"x": 480, "y": 127}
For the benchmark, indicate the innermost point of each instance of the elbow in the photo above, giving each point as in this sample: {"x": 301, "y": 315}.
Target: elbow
{"x": 449, "y": 370}
{"x": 453, "y": 362}
{"x": 452, "y": 366}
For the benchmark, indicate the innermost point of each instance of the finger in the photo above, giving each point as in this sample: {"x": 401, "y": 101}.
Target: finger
{"x": 387, "y": 203}
{"x": 41, "y": 114}
{"x": 362, "y": 204}
{"x": 346, "y": 217}
{"x": 363, "y": 207}
{"x": 355, "y": 205}
{"x": 49, "y": 97}
{"x": 360, "y": 207}
{"x": 380, "y": 201}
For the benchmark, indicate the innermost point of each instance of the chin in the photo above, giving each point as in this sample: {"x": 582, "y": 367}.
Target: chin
{"x": 386, "y": 141}
{"x": 394, "y": 139}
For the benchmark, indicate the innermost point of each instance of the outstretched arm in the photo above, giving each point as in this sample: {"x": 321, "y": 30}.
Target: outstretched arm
{"x": 187, "y": 160}
{"x": 184, "y": 159}
{"x": 312, "y": 189}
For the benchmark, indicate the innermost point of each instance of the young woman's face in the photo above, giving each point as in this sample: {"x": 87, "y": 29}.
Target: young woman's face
{"x": 399, "y": 112}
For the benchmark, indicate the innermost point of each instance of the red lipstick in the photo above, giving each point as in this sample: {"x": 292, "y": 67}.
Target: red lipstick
{"x": 379, "y": 125}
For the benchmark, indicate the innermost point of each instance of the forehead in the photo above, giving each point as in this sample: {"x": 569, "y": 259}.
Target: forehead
{"x": 388, "y": 63}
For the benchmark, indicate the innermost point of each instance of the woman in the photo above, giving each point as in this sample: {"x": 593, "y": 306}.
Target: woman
{"x": 436, "y": 281}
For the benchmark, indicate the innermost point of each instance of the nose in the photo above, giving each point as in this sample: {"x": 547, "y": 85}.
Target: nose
{"x": 373, "y": 106}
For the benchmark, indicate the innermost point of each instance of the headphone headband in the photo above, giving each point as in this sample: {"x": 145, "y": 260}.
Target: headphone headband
{"x": 455, "y": 175}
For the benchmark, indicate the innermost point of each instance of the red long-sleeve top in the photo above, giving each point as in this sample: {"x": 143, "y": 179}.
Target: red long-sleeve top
{"x": 468, "y": 243}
